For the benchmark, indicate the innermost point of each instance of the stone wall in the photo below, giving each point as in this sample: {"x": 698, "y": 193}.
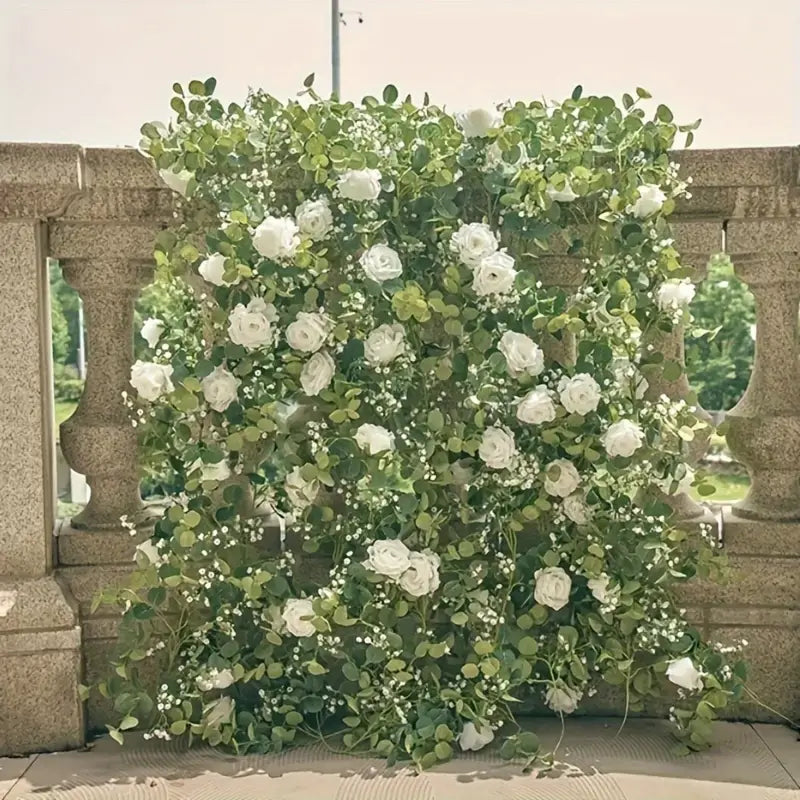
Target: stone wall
{"x": 97, "y": 211}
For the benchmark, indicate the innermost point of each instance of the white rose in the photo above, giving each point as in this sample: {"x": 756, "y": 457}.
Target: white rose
{"x": 623, "y": 438}
{"x": 562, "y": 699}
{"x": 575, "y": 508}
{"x": 388, "y": 557}
{"x": 314, "y": 218}
{"x": 600, "y": 591}
{"x": 301, "y": 493}
{"x": 422, "y": 576}
{"x": 494, "y": 275}
{"x": 152, "y": 328}
{"x": 552, "y": 587}
{"x": 220, "y": 388}
{"x": 212, "y": 269}
{"x": 380, "y": 263}
{"x": 475, "y": 737}
{"x": 494, "y": 157}
{"x": 293, "y": 616}
{"x": 477, "y": 121}
{"x": 177, "y": 181}
{"x": 384, "y": 344}
{"x": 650, "y": 200}
{"x": 151, "y": 380}
{"x": 564, "y": 195}
{"x": 308, "y": 332}
{"x": 149, "y": 550}
{"x": 251, "y": 325}
{"x": 374, "y": 438}
{"x": 215, "y": 680}
{"x": 497, "y": 449}
{"x": 536, "y": 407}
{"x": 317, "y": 373}
{"x": 561, "y": 478}
{"x": 276, "y": 237}
{"x": 579, "y": 394}
{"x": 523, "y": 355}
{"x": 674, "y": 294}
{"x": 360, "y": 184}
{"x": 682, "y": 672}
{"x": 220, "y": 712}
{"x": 473, "y": 243}
{"x": 218, "y": 471}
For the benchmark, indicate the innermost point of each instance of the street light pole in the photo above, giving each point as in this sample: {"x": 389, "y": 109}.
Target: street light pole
{"x": 335, "y": 57}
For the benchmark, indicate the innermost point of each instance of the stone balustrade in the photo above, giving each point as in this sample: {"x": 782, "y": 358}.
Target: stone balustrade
{"x": 97, "y": 211}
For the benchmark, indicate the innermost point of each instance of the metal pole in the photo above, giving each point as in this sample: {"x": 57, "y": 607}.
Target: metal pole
{"x": 335, "y": 63}
{"x": 81, "y": 343}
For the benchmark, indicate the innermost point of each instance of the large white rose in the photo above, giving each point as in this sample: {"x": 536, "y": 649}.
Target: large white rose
{"x": 473, "y": 242}
{"x": 494, "y": 275}
{"x": 475, "y": 737}
{"x": 308, "y": 332}
{"x": 360, "y": 184}
{"x": 218, "y": 471}
{"x": 374, "y": 438}
{"x": 561, "y": 478}
{"x": 682, "y": 672}
{"x": 564, "y": 195}
{"x": 523, "y": 355}
{"x": 579, "y": 394}
{"x": 212, "y": 269}
{"x": 294, "y": 616}
{"x": 623, "y": 438}
{"x": 575, "y": 508}
{"x": 600, "y": 591}
{"x": 536, "y": 407}
{"x": 552, "y": 587}
{"x": 384, "y": 344}
{"x": 674, "y": 294}
{"x": 497, "y": 449}
{"x": 422, "y": 577}
{"x": 251, "y": 325}
{"x": 177, "y": 181}
{"x": 151, "y": 380}
{"x": 380, "y": 263}
{"x": 649, "y": 201}
{"x": 301, "y": 493}
{"x": 220, "y": 388}
{"x": 317, "y": 373}
{"x": 214, "y": 679}
{"x": 477, "y": 121}
{"x": 220, "y": 712}
{"x": 314, "y": 218}
{"x": 562, "y": 699}
{"x": 388, "y": 557}
{"x": 276, "y": 237}
{"x": 152, "y": 328}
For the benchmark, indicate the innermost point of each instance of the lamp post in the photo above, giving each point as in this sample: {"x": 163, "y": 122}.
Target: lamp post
{"x": 338, "y": 18}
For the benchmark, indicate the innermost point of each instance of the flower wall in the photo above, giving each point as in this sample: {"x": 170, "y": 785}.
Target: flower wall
{"x": 425, "y": 345}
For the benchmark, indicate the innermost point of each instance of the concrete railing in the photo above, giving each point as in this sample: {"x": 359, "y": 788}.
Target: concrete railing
{"x": 97, "y": 211}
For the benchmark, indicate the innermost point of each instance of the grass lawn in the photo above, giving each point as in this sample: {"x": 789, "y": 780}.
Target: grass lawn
{"x": 730, "y": 488}
{"x": 64, "y": 409}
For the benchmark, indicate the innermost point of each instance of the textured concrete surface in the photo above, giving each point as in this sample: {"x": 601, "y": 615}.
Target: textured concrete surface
{"x": 593, "y": 763}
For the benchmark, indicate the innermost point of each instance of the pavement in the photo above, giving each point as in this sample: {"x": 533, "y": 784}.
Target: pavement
{"x": 748, "y": 762}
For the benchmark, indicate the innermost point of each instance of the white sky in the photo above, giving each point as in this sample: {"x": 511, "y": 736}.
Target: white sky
{"x": 92, "y": 71}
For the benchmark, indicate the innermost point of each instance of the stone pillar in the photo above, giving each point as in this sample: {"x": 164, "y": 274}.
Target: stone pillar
{"x": 565, "y": 272}
{"x": 40, "y": 658}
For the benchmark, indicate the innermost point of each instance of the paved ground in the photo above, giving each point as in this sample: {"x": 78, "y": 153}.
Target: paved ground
{"x": 758, "y": 762}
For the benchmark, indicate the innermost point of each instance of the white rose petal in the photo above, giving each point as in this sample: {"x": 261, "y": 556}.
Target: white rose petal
{"x": 276, "y": 238}
{"x": 220, "y": 388}
{"x": 150, "y": 380}
{"x": 177, "y": 181}
{"x": 220, "y": 712}
{"x": 251, "y": 325}
{"x": 623, "y": 438}
{"x": 374, "y": 438}
{"x": 308, "y": 332}
{"x": 600, "y": 591}
{"x": 477, "y": 121}
{"x": 673, "y": 295}
{"x": 650, "y": 200}
{"x": 552, "y": 587}
{"x": 380, "y": 263}
{"x": 562, "y": 699}
{"x": 682, "y": 672}
{"x": 301, "y": 493}
{"x": 314, "y": 218}
{"x": 579, "y": 394}
{"x": 536, "y": 407}
{"x": 497, "y": 448}
{"x": 473, "y": 242}
{"x": 563, "y": 195}
{"x": 215, "y": 680}
{"x": 384, "y": 344}
{"x": 475, "y": 737}
{"x": 152, "y": 328}
{"x": 149, "y": 550}
{"x": 218, "y": 471}
{"x": 565, "y": 482}
{"x": 212, "y": 269}
{"x": 495, "y": 274}
{"x": 317, "y": 373}
{"x": 575, "y": 508}
{"x": 388, "y": 557}
{"x": 360, "y": 184}
{"x": 523, "y": 355}
{"x": 295, "y": 614}
{"x": 422, "y": 576}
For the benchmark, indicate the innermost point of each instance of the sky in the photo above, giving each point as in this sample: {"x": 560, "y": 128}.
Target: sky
{"x": 92, "y": 71}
